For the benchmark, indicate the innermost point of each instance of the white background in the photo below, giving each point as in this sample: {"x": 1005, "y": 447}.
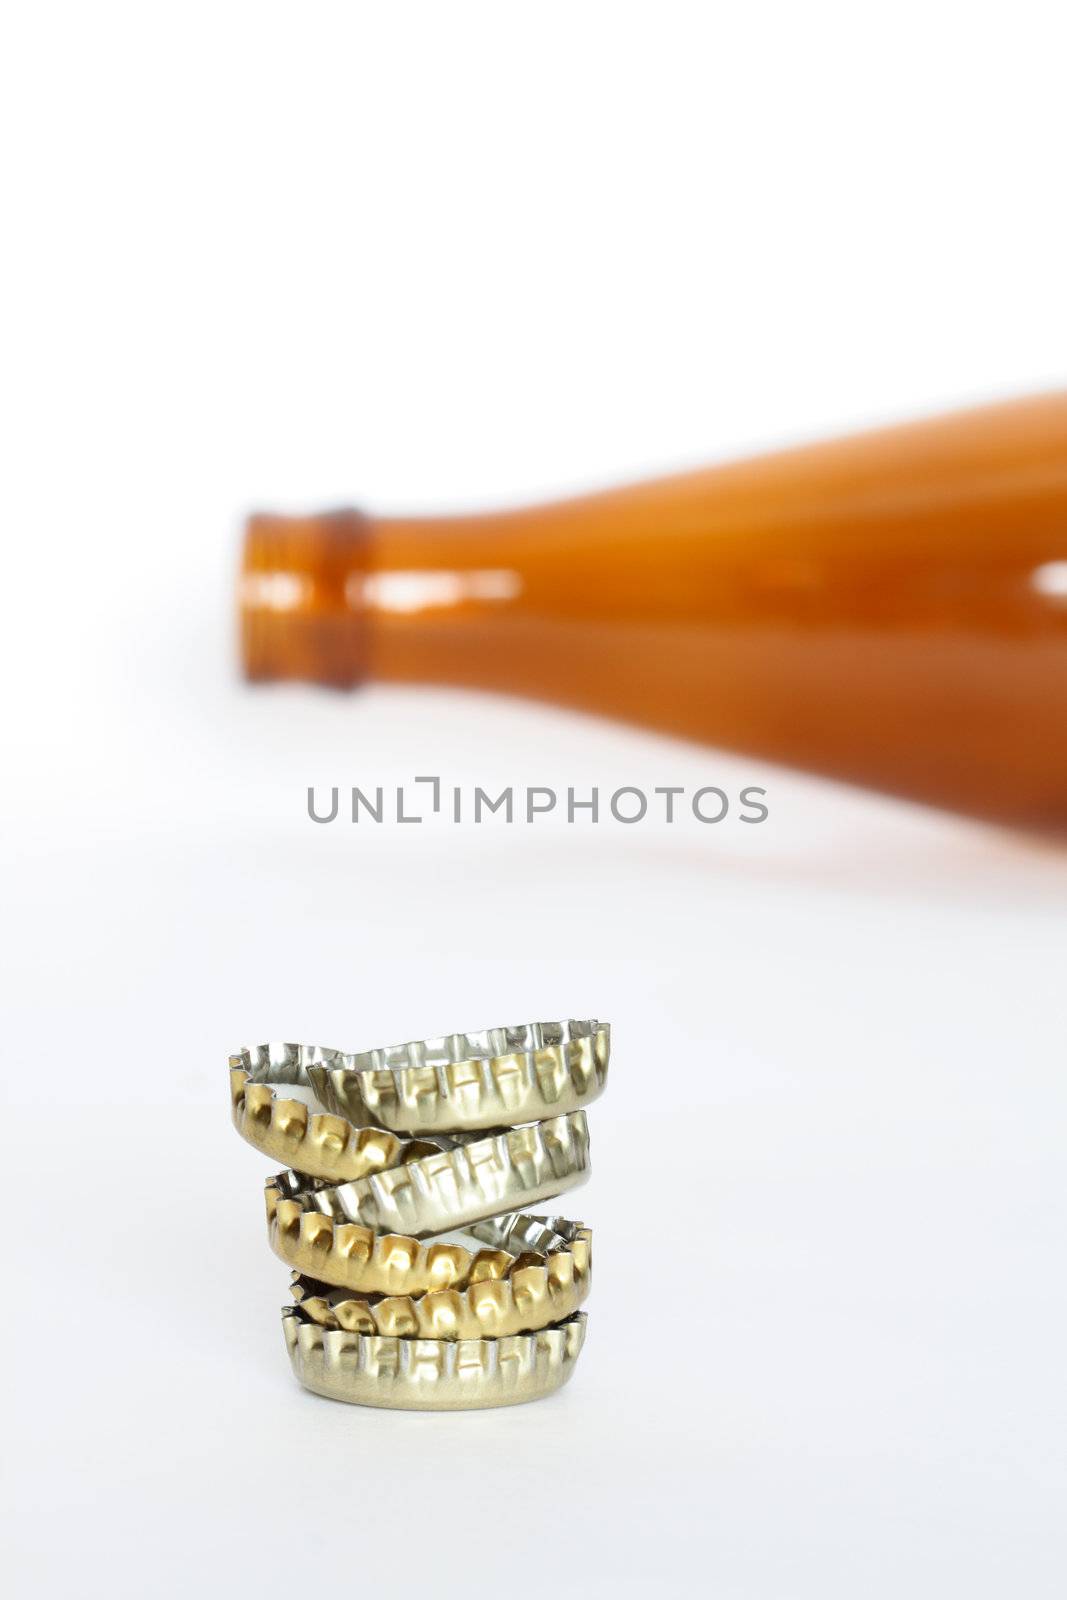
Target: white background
{"x": 450, "y": 255}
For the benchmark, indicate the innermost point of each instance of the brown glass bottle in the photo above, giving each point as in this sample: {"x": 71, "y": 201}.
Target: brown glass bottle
{"x": 890, "y": 609}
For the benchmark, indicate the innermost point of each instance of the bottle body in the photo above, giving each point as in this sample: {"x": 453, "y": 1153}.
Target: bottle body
{"x": 890, "y": 609}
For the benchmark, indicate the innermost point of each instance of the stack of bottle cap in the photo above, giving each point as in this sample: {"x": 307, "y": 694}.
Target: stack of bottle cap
{"x": 420, "y": 1278}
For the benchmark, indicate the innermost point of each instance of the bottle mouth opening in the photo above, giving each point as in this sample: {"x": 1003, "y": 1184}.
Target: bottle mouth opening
{"x": 298, "y": 598}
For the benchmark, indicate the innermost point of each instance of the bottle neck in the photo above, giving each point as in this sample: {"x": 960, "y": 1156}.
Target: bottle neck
{"x": 342, "y": 598}
{"x": 297, "y": 619}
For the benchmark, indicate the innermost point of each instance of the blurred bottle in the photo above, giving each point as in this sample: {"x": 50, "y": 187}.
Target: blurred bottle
{"x": 890, "y": 609}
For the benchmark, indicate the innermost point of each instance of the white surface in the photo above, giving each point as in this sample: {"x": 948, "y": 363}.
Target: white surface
{"x": 433, "y": 256}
